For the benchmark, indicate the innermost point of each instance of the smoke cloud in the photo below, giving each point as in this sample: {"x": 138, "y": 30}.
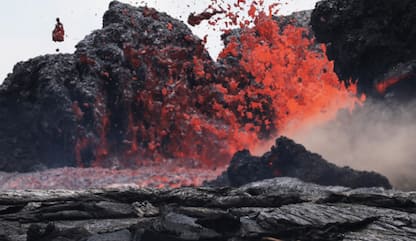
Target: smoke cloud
{"x": 378, "y": 136}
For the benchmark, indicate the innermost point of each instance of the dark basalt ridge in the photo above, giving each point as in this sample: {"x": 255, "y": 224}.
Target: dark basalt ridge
{"x": 370, "y": 41}
{"x": 288, "y": 159}
{"x": 274, "y": 209}
{"x": 72, "y": 109}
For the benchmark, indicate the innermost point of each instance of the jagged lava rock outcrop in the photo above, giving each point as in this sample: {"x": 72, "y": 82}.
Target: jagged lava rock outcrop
{"x": 141, "y": 88}
{"x": 289, "y": 159}
{"x": 274, "y": 209}
{"x": 370, "y": 41}
{"x": 113, "y": 96}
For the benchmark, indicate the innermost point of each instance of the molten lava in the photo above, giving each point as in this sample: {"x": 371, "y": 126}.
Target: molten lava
{"x": 286, "y": 67}
{"x": 382, "y": 86}
{"x": 268, "y": 80}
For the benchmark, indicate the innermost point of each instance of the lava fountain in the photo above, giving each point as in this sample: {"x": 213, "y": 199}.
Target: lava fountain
{"x": 269, "y": 79}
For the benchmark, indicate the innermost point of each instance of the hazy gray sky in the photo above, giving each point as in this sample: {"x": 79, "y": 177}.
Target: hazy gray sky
{"x": 26, "y": 25}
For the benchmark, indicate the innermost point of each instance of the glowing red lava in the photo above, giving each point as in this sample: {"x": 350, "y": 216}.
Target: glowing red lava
{"x": 382, "y": 86}
{"x": 299, "y": 79}
{"x": 195, "y": 113}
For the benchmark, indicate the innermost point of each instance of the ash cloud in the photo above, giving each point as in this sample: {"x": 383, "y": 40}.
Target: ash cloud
{"x": 377, "y": 136}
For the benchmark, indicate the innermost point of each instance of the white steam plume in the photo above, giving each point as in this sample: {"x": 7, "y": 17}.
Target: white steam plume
{"x": 377, "y": 137}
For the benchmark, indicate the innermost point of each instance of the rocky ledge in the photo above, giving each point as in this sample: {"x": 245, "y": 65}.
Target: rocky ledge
{"x": 372, "y": 42}
{"x": 289, "y": 159}
{"x": 273, "y": 209}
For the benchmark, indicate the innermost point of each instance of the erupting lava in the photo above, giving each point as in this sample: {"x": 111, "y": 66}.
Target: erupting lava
{"x": 268, "y": 79}
{"x": 286, "y": 68}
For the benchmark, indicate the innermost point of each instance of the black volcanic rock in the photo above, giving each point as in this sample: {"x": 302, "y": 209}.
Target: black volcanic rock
{"x": 37, "y": 124}
{"x": 370, "y": 41}
{"x": 274, "y": 209}
{"x": 299, "y": 19}
{"x": 131, "y": 92}
{"x": 288, "y": 159}
{"x": 74, "y": 109}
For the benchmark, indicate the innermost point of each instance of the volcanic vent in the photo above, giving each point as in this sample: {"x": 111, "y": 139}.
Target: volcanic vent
{"x": 143, "y": 91}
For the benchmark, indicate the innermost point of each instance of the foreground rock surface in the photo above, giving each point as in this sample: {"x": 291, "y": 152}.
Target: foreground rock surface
{"x": 274, "y": 209}
{"x": 289, "y": 159}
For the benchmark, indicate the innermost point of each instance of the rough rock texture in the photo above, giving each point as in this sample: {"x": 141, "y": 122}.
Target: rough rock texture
{"x": 299, "y": 19}
{"x": 274, "y": 209}
{"x": 155, "y": 176}
{"x": 75, "y": 109}
{"x": 133, "y": 91}
{"x": 288, "y": 159}
{"x": 370, "y": 41}
{"x": 35, "y": 102}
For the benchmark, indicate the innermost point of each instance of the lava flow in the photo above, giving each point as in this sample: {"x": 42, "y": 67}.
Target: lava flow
{"x": 181, "y": 105}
